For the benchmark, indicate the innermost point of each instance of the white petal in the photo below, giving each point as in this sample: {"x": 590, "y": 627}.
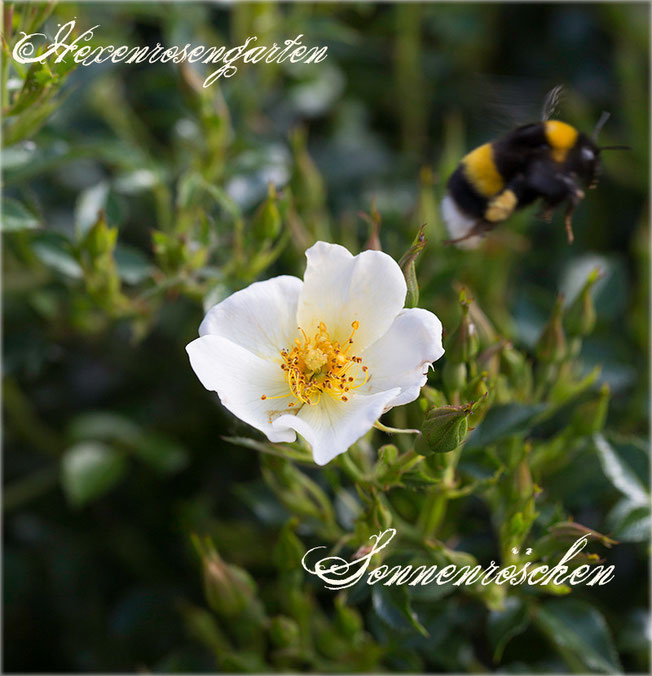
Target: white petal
{"x": 240, "y": 378}
{"x": 331, "y": 426}
{"x": 340, "y": 288}
{"x": 260, "y": 318}
{"x": 401, "y": 358}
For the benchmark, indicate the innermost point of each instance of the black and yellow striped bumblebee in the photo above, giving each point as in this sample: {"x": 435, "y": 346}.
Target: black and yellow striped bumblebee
{"x": 548, "y": 160}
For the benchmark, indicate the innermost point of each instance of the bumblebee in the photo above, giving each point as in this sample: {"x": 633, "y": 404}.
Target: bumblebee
{"x": 548, "y": 160}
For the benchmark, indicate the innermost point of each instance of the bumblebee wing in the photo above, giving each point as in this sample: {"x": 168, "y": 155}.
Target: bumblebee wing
{"x": 551, "y": 102}
{"x": 501, "y": 103}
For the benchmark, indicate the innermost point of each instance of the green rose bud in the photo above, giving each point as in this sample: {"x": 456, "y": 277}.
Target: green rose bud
{"x": 464, "y": 343}
{"x": 229, "y": 590}
{"x": 306, "y": 181}
{"x": 267, "y": 221}
{"x": 347, "y": 620}
{"x": 408, "y": 265}
{"x": 445, "y": 428}
{"x": 589, "y": 418}
{"x": 551, "y": 347}
{"x": 288, "y": 551}
{"x": 517, "y": 369}
{"x": 297, "y": 492}
{"x": 477, "y": 391}
{"x": 581, "y": 316}
{"x": 100, "y": 239}
{"x": 284, "y": 632}
{"x": 384, "y": 469}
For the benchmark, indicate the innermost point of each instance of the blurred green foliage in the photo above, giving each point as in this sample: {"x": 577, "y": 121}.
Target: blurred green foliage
{"x": 140, "y": 516}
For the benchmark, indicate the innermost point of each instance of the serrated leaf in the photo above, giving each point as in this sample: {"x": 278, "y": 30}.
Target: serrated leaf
{"x": 15, "y": 216}
{"x": 629, "y": 521}
{"x": 503, "y": 625}
{"x": 89, "y": 470}
{"x": 619, "y": 473}
{"x": 504, "y": 421}
{"x": 581, "y": 635}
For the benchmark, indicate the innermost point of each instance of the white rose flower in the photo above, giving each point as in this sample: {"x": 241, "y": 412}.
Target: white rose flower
{"x": 324, "y": 357}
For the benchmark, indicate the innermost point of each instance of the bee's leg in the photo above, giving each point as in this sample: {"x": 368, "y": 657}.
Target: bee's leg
{"x": 555, "y": 187}
{"x": 480, "y": 228}
{"x": 576, "y": 197}
{"x": 568, "y": 222}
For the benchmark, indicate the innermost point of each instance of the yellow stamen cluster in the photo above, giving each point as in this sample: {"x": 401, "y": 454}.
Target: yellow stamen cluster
{"x": 319, "y": 366}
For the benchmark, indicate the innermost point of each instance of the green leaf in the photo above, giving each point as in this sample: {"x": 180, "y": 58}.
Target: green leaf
{"x": 392, "y": 605}
{"x": 629, "y": 521}
{"x": 580, "y": 634}
{"x": 15, "y": 216}
{"x": 161, "y": 453}
{"x": 102, "y": 425}
{"x": 133, "y": 266}
{"x": 503, "y": 625}
{"x": 503, "y": 421}
{"x": 90, "y": 469}
{"x": 54, "y": 250}
{"x": 279, "y": 450}
{"x": 621, "y": 475}
{"x": 89, "y": 204}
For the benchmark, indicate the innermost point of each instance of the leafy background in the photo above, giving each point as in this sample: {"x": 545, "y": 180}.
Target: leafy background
{"x": 134, "y": 199}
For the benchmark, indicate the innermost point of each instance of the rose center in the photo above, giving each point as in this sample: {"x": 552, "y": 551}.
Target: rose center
{"x": 320, "y": 365}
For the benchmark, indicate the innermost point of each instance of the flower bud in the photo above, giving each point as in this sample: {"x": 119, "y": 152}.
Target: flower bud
{"x": 229, "y": 590}
{"x": 580, "y": 316}
{"x": 374, "y": 516}
{"x": 306, "y": 181}
{"x": 589, "y": 418}
{"x": 347, "y": 620}
{"x": 478, "y": 392}
{"x": 384, "y": 470}
{"x": 100, "y": 239}
{"x": 284, "y": 632}
{"x": 551, "y": 347}
{"x": 289, "y": 551}
{"x": 267, "y": 221}
{"x": 523, "y": 485}
{"x": 381, "y": 514}
{"x": 328, "y": 642}
{"x": 388, "y": 454}
{"x": 464, "y": 343}
{"x": 408, "y": 265}
{"x": 297, "y": 492}
{"x": 489, "y": 359}
{"x": 445, "y": 428}
{"x": 517, "y": 369}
